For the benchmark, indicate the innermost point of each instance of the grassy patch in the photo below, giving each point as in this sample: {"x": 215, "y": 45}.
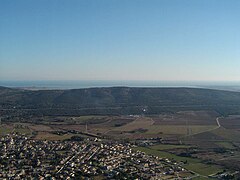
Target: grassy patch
{"x": 22, "y": 129}
{"x": 200, "y": 178}
{"x": 203, "y": 169}
{"x": 167, "y": 155}
{"x": 5, "y": 129}
{"x": 192, "y": 164}
{"x": 227, "y": 134}
{"x": 168, "y": 146}
{"x": 226, "y": 145}
{"x": 53, "y": 137}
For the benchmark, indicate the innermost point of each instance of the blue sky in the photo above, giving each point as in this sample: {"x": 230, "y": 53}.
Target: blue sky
{"x": 176, "y": 40}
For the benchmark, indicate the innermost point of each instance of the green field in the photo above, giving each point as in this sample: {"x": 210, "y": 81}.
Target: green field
{"x": 203, "y": 169}
{"x": 168, "y": 146}
{"x": 22, "y": 129}
{"x": 6, "y": 129}
{"x": 52, "y": 137}
{"x": 226, "y": 145}
{"x": 192, "y": 164}
{"x": 164, "y": 154}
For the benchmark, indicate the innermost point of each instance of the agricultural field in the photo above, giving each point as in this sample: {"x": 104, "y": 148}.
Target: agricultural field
{"x": 193, "y": 164}
{"x": 178, "y": 129}
{"x": 226, "y": 145}
{"x": 50, "y": 136}
{"x": 165, "y": 125}
{"x": 169, "y": 146}
{"x": 195, "y": 137}
{"x": 5, "y": 129}
{"x": 231, "y": 122}
{"x": 176, "y": 126}
{"x": 10, "y": 128}
{"x": 228, "y": 134}
{"x": 142, "y": 122}
{"x": 186, "y": 118}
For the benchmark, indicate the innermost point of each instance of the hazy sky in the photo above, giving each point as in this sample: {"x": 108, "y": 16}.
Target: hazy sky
{"x": 120, "y": 40}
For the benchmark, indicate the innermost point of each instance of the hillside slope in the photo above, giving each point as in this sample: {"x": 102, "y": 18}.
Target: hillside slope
{"x": 125, "y": 99}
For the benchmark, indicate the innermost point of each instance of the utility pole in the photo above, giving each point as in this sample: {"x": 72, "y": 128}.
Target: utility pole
{"x": 189, "y": 131}
{"x": 86, "y": 127}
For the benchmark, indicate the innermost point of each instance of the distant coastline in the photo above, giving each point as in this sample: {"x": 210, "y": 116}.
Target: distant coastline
{"x": 74, "y": 84}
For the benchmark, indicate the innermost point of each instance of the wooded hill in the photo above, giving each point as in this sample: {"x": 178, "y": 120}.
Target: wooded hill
{"x": 119, "y": 100}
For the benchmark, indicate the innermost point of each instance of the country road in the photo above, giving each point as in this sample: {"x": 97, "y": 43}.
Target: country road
{"x": 219, "y": 125}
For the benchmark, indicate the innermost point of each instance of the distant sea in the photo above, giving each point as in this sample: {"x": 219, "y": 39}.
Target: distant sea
{"x": 36, "y": 85}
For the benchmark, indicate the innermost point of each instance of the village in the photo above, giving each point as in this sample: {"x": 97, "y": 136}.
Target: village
{"x": 91, "y": 158}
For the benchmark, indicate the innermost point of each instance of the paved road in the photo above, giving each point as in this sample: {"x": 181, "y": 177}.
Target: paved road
{"x": 70, "y": 159}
